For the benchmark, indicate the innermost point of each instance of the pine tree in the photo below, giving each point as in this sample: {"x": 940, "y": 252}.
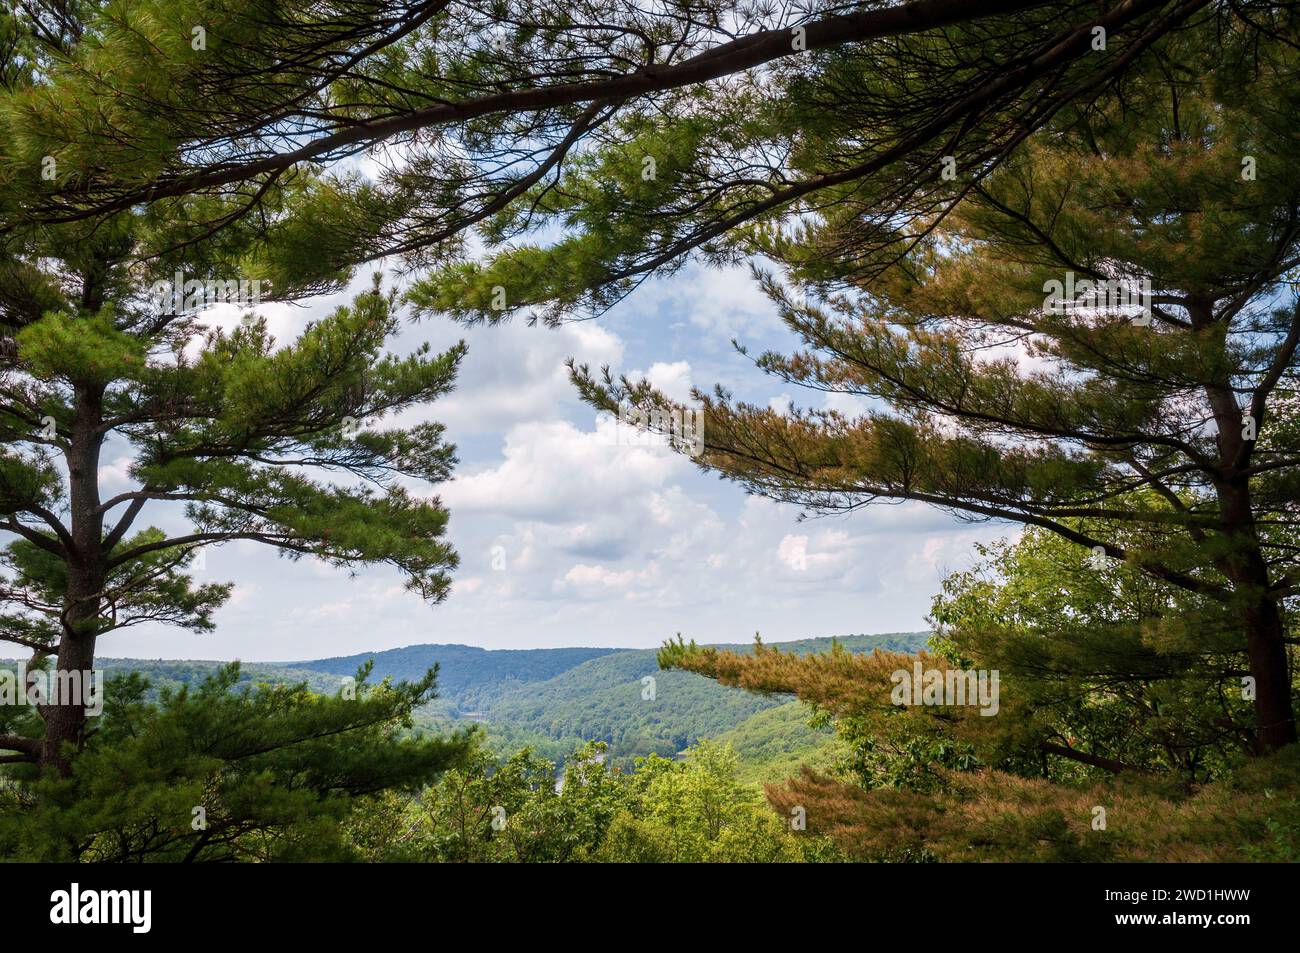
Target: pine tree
{"x": 1159, "y": 431}
{"x": 99, "y": 341}
{"x": 694, "y": 110}
{"x": 1114, "y": 669}
{"x": 224, "y": 772}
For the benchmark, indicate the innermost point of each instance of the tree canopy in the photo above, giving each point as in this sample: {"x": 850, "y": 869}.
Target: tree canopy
{"x": 1159, "y": 432}
{"x": 651, "y": 131}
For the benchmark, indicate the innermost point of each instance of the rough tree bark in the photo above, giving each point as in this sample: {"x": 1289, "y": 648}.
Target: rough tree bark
{"x": 1244, "y": 564}
{"x": 65, "y": 723}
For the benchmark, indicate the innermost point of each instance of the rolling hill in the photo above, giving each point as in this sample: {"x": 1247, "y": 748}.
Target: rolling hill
{"x": 554, "y": 699}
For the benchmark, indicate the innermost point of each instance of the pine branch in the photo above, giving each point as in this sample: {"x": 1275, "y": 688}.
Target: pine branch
{"x": 723, "y": 60}
{"x": 28, "y": 746}
{"x": 1108, "y": 764}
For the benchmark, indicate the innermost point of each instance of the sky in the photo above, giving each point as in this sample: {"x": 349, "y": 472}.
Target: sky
{"x": 568, "y": 533}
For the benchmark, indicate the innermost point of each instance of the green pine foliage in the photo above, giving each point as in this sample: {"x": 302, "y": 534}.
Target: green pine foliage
{"x": 220, "y": 772}
{"x": 1106, "y": 660}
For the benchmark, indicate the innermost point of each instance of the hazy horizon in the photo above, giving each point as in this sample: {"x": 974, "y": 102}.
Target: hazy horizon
{"x": 523, "y": 648}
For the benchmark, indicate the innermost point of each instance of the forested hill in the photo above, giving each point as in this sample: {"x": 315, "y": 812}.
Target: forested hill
{"x": 469, "y": 667}
{"x": 466, "y": 671}
{"x": 606, "y": 698}
{"x": 553, "y": 699}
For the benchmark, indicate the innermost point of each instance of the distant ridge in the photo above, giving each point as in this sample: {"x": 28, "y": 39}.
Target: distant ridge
{"x": 411, "y": 661}
{"x": 552, "y": 700}
{"x": 463, "y": 667}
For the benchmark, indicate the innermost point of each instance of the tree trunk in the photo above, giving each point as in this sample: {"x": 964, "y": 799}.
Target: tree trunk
{"x": 65, "y": 724}
{"x": 1245, "y": 565}
{"x": 1261, "y": 621}
{"x": 1274, "y": 715}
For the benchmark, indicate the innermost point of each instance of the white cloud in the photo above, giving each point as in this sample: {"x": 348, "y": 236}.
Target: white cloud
{"x": 583, "y": 576}
{"x": 115, "y": 477}
{"x": 573, "y": 532}
{"x": 794, "y": 551}
{"x": 516, "y": 374}
{"x": 725, "y": 303}
{"x": 673, "y": 380}
{"x": 555, "y": 472}
{"x": 848, "y": 405}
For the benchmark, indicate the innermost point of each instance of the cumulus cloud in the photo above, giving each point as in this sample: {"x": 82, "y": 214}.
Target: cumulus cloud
{"x": 555, "y": 472}
{"x": 515, "y": 374}
{"x": 573, "y": 529}
{"x": 672, "y": 379}
{"x": 724, "y": 303}
{"x": 585, "y": 578}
